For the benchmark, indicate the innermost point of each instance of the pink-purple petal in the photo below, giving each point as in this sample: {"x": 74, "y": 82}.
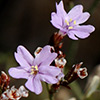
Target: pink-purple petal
{"x": 75, "y": 12}
{"x": 82, "y": 31}
{"x": 50, "y": 70}
{"x": 81, "y": 34}
{"x": 60, "y": 9}
{"x": 82, "y": 18}
{"x": 56, "y": 20}
{"x": 48, "y": 79}
{"x": 43, "y": 55}
{"x": 21, "y": 50}
{"x": 61, "y": 75}
{"x": 18, "y": 72}
{"x": 72, "y": 35}
{"x": 85, "y": 28}
{"x": 50, "y": 59}
{"x": 34, "y": 84}
{"x": 21, "y": 60}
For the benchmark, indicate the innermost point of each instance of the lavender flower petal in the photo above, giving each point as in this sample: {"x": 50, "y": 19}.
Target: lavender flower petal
{"x": 49, "y": 60}
{"x": 85, "y": 28}
{"x": 79, "y": 34}
{"x": 60, "y": 9}
{"x": 75, "y": 12}
{"x": 48, "y": 78}
{"x": 71, "y": 35}
{"x": 44, "y": 55}
{"x": 82, "y": 18}
{"x": 83, "y": 31}
{"x": 18, "y": 73}
{"x": 21, "y": 60}
{"x": 61, "y": 75}
{"x": 34, "y": 84}
{"x": 51, "y": 70}
{"x": 56, "y": 21}
{"x": 22, "y": 51}
{"x": 23, "y": 57}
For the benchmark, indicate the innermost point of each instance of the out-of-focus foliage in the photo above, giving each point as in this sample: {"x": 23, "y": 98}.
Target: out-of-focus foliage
{"x": 93, "y": 91}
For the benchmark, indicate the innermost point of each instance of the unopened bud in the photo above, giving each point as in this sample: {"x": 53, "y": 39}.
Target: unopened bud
{"x": 23, "y": 92}
{"x": 37, "y": 51}
{"x": 82, "y": 73}
{"x": 60, "y": 62}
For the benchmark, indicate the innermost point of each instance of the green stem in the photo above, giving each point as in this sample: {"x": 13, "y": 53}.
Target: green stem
{"x": 50, "y": 95}
{"x": 77, "y": 90}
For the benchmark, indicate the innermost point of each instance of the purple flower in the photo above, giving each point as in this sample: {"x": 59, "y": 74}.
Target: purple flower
{"x": 68, "y": 23}
{"x": 35, "y": 69}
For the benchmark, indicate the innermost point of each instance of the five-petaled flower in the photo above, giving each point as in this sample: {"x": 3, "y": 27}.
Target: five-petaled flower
{"x": 68, "y": 23}
{"x": 35, "y": 69}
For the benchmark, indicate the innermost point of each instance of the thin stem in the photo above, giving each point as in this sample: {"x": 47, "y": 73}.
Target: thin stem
{"x": 50, "y": 95}
{"x": 77, "y": 90}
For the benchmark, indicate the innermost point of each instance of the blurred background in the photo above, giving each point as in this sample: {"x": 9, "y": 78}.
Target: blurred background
{"x": 27, "y": 22}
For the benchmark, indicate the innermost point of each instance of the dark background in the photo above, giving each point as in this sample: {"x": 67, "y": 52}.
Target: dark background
{"x": 27, "y": 22}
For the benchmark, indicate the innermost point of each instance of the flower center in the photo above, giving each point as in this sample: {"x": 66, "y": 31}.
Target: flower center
{"x": 34, "y": 70}
{"x": 70, "y": 21}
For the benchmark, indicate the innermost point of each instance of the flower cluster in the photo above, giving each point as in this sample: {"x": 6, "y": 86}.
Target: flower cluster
{"x": 7, "y": 93}
{"x": 14, "y": 94}
{"x": 69, "y": 23}
{"x": 35, "y": 69}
